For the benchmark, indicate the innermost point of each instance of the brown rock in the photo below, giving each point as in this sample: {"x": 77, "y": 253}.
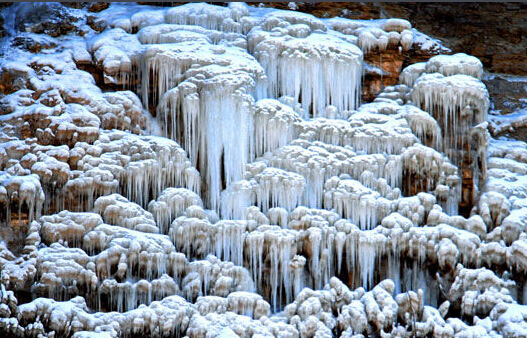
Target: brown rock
{"x": 95, "y": 23}
{"x": 97, "y": 7}
{"x": 76, "y": 5}
{"x": 494, "y": 32}
{"x": 390, "y": 62}
{"x": 31, "y": 44}
{"x": 7, "y": 83}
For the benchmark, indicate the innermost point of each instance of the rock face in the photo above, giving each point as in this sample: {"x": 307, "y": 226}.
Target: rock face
{"x": 494, "y": 32}
{"x": 202, "y": 171}
{"x": 509, "y": 105}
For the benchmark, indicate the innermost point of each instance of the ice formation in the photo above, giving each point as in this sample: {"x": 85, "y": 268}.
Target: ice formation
{"x": 448, "y": 87}
{"x": 296, "y": 59}
{"x": 206, "y": 171}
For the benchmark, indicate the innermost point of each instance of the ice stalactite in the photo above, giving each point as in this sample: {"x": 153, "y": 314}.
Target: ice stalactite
{"x": 317, "y": 162}
{"x": 248, "y": 304}
{"x": 237, "y": 198}
{"x": 280, "y": 250}
{"x": 202, "y": 112}
{"x": 493, "y": 208}
{"x": 274, "y": 126}
{"x": 267, "y": 188}
{"x": 255, "y": 243}
{"x": 363, "y": 251}
{"x": 424, "y": 126}
{"x": 428, "y": 170}
{"x": 164, "y": 66}
{"x": 459, "y": 103}
{"x": 278, "y": 188}
{"x": 314, "y": 70}
{"x": 234, "y": 242}
{"x": 190, "y": 236}
{"x": 278, "y": 216}
{"x": 145, "y": 166}
{"x": 151, "y": 262}
{"x": 230, "y": 239}
{"x": 354, "y": 201}
{"x": 220, "y": 149}
{"x": 128, "y": 296}
{"x": 208, "y": 16}
{"x": 411, "y": 73}
{"x": 24, "y": 191}
{"x": 171, "y": 204}
{"x": 268, "y": 251}
{"x": 308, "y": 162}
{"x": 378, "y": 127}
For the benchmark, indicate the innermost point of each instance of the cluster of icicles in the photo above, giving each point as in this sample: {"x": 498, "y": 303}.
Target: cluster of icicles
{"x": 272, "y": 203}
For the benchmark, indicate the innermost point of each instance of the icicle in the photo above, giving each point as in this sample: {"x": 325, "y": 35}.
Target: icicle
{"x": 278, "y": 216}
{"x": 280, "y": 249}
{"x": 230, "y": 239}
{"x": 236, "y": 198}
{"x": 255, "y": 243}
{"x": 411, "y": 73}
{"x": 441, "y": 176}
{"x": 208, "y": 16}
{"x": 352, "y": 261}
{"x": 171, "y": 204}
{"x": 320, "y": 71}
{"x": 297, "y": 266}
{"x": 457, "y": 102}
{"x": 224, "y": 110}
{"x": 274, "y": 126}
{"x": 367, "y": 255}
{"x": 356, "y": 202}
{"x": 26, "y": 190}
{"x": 424, "y": 126}
{"x": 315, "y": 239}
{"x": 279, "y": 188}
{"x": 340, "y": 242}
